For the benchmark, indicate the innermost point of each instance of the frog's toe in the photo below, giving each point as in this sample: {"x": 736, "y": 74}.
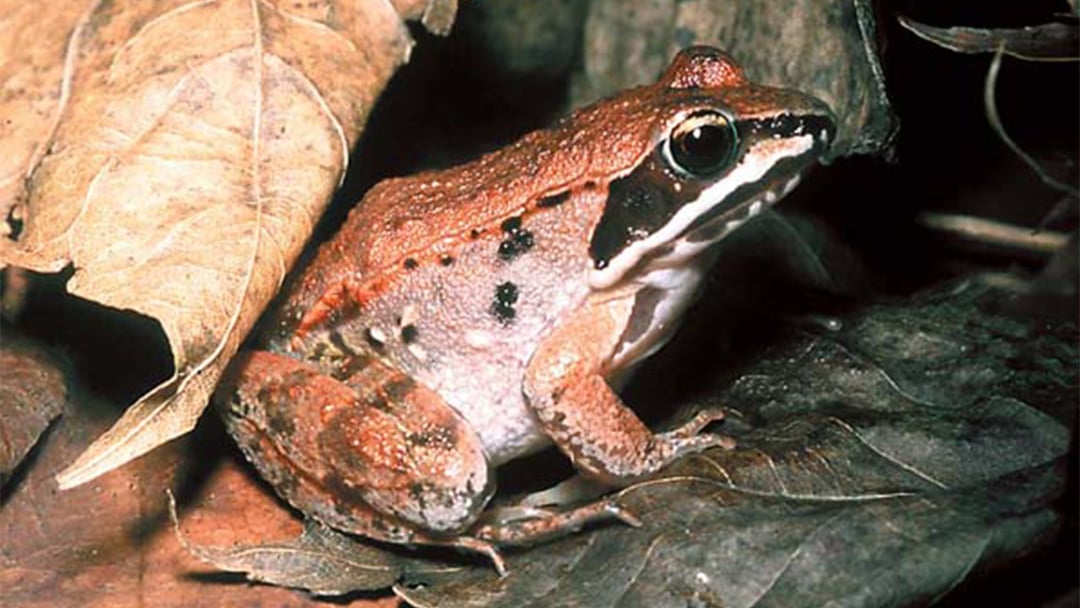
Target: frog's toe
{"x": 483, "y": 547}
{"x": 700, "y": 420}
{"x": 623, "y": 514}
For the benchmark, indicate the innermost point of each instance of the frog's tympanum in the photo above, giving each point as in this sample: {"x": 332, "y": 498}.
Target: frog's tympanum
{"x": 465, "y": 317}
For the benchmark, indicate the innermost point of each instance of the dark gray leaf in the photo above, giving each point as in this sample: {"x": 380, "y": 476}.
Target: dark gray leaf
{"x": 1046, "y": 42}
{"x": 829, "y": 49}
{"x": 878, "y": 465}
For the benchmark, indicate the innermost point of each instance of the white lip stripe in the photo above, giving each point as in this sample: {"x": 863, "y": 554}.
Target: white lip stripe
{"x": 757, "y": 161}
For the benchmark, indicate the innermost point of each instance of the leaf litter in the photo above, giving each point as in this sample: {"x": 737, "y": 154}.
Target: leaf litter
{"x": 879, "y": 464}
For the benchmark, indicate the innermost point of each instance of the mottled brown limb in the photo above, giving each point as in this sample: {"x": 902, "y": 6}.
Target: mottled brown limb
{"x": 374, "y": 441}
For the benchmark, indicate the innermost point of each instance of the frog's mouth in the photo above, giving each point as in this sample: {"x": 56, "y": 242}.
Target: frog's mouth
{"x": 742, "y": 206}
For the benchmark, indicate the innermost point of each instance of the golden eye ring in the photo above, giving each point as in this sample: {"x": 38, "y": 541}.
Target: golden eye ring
{"x": 702, "y": 145}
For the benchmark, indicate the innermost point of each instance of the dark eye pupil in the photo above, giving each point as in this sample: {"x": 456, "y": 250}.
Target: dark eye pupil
{"x": 704, "y": 149}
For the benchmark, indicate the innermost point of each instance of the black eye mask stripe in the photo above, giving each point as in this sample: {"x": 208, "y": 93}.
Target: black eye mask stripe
{"x": 785, "y": 126}
{"x": 638, "y": 204}
{"x": 645, "y": 200}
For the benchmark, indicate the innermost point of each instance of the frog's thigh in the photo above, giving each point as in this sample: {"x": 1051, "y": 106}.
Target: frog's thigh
{"x": 376, "y": 438}
{"x": 566, "y": 388}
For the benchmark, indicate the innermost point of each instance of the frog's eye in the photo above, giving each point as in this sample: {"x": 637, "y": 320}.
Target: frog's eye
{"x": 701, "y": 145}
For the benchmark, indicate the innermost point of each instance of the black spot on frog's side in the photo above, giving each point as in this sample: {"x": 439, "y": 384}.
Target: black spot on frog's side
{"x": 446, "y": 260}
{"x": 502, "y": 307}
{"x": 349, "y": 366}
{"x": 409, "y": 334}
{"x": 397, "y": 389}
{"x": 418, "y": 492}
{"x": 379, "y": 403}
{"x": 344, "y": 494}
{"x": 553, "y": 200}
{"x": 410, "y": 264}
{"x": 339, "y": 343}
{"x": 518, "y": 240}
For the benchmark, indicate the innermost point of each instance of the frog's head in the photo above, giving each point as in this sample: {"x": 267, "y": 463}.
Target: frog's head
{"x": 723, "y": 150}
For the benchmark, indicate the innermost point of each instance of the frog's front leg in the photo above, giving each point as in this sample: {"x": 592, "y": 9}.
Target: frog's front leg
{"x": 370, "y": 452}
{"x": 566, "y": 388}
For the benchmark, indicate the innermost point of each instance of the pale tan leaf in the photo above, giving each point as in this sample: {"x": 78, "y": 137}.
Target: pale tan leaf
{"x": 198, "y": 147}
{"x": 33, "y": 44}
{"x": 436, "y": 15}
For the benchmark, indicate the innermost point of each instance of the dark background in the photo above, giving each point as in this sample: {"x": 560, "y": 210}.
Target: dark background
{"x": 457, "y": 98}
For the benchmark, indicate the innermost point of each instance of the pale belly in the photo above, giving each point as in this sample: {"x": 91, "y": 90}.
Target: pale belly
{"x": 496, "y": 410}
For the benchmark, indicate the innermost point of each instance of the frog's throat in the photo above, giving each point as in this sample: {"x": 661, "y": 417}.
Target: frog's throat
{"x": 755, "y": 169}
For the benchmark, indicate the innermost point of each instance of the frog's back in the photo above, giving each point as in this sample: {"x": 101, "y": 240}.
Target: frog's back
{"x": 436, "y": 210}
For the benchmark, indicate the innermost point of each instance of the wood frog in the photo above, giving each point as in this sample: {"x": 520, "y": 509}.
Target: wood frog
{"x": 465, "y": 317}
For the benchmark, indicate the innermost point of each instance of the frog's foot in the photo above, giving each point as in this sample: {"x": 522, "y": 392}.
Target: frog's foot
{"x": 531, "y": 525}
{"x": 476, "y": 545}
{"x": 694, "y": 426}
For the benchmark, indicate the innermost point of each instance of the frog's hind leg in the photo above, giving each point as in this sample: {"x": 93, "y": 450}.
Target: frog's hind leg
{"x": 369, "y": 451}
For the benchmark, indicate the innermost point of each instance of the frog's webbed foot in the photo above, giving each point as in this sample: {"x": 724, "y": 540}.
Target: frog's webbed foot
{"x": 528, "y": 523}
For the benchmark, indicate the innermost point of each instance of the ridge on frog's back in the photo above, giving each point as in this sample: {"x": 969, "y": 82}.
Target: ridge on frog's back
{"x": 442, "y": 209}
{"x": 464, "y": 317}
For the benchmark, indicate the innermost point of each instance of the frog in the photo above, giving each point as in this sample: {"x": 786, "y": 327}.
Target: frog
{"x": 466, "y": 317}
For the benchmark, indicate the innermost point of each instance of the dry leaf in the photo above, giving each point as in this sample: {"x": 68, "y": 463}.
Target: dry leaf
{"x": 828, "y": 49}
{"x": 1044, "y": 42}
{"x": 32, "y": 46}
{"x": 31, "y": 396}
{"x": 436, "y": 15}
{"x": 108, "y": 544}
{"x": 319, "y": 561}
{"x": 198, "y": 146}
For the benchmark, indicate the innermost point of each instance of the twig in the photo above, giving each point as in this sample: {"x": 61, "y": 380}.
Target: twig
{"x": 982, "y": 230}
{"x": 995, "y": 123}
